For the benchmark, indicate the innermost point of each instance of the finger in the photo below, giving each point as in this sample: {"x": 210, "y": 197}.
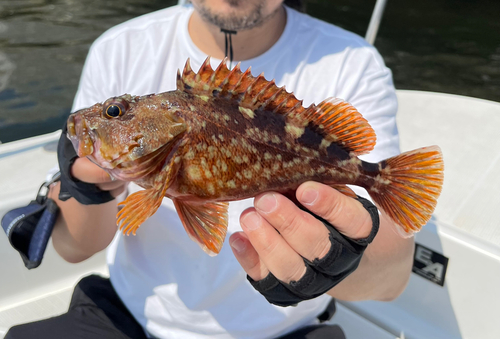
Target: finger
{"x": 273, "y": 250}
{"x": 347, "y": 215}
{"x": 303, "y": 232}
{"x": 85, "y": 170}
{"x": 247, "y": 256}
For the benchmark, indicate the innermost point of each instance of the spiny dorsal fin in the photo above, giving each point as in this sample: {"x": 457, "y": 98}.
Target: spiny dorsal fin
{"x": 336, "y": 120}
{"x": 250, "y": 92}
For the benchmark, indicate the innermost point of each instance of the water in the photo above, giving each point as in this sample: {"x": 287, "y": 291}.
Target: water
{"x": 450, "y": 46}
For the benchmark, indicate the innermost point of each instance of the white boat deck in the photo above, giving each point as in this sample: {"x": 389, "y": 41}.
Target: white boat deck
{"x": 467, "y": 130}
{"x": 29, "y": 295}
{"x": 466, "y": 228}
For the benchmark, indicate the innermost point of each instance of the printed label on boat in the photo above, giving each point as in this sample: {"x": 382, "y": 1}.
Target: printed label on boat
{"x": 429, "y": 264}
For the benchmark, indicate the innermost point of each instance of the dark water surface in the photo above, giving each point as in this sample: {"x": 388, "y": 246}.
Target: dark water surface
{"x": 450, "y": 46}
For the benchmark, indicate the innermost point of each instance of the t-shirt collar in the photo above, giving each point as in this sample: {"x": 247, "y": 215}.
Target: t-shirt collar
{"x": 284, "y": 42}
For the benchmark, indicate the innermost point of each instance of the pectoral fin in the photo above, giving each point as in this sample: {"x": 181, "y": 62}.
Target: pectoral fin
{"x": 139, "y": 206}
{"x": 205, "y": 223}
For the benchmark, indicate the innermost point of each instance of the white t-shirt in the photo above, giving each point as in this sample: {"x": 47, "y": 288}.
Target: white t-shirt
{"x": 169, "y": 284}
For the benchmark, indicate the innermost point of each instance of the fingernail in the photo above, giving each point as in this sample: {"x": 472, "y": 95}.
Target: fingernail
{"x": 266, "y": 204}
{"x": 309, "y": 196}
{"x": 251, "y": 221}
{"x": 238, "y": 245}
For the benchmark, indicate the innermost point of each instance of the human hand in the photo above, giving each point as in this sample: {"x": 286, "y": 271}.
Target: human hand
{"x": 83, "y": 180}
{"x": 86, "y": 171}
{"x": 290, "y": 255}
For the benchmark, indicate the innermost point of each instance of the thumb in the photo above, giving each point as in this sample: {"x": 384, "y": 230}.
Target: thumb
{"x": 85, "y": 170}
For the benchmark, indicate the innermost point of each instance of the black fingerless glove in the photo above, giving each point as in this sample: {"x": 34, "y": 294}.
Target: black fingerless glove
{"x": 321, "y": 274}
{"x": 84, "y": 193}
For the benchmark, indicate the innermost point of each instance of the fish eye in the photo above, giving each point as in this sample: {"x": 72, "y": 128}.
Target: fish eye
{"x": 115, "y": 107}
{"x": 113, "y": 111}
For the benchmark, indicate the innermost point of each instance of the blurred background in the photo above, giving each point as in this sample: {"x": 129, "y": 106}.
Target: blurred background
{"x": 450, "y": 46}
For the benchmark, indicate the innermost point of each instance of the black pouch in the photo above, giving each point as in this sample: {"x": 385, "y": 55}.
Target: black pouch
{"x": 29, "y": 228}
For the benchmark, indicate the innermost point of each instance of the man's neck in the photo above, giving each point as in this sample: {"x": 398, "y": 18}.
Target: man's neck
{"x": 247, "y": 44}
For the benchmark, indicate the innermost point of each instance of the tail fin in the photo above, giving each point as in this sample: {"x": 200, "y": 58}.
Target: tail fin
{"x": 409, "y": 186}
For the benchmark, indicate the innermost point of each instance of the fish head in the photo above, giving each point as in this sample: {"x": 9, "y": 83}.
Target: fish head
{"x": 123, "y": 130}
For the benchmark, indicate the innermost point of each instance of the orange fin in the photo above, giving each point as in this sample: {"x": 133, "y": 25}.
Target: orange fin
{"x": 139, "y": 206}
{"x": 344, "y": 190}
{"x": 337, "y": 121}
{"x": 408, "y": 187}
{"x": 342, "y": 124}
{"x": 206, "y": 224}
{"x": 251, "y": 92}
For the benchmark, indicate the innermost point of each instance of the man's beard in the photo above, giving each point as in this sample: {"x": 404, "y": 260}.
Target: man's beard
{"x": 235, "y": 21}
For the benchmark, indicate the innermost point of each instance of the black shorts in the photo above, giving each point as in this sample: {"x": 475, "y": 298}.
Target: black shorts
{"x": 96, "y": 312}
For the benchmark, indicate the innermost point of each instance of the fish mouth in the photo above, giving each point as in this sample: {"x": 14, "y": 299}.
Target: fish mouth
{"x": 87, "y": 143}
{"x": 80, "y": 135}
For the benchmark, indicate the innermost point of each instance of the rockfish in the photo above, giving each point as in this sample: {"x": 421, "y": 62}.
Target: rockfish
{"x": 226, "y": 135}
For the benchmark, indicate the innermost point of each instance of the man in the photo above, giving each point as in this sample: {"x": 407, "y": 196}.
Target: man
{"x": 170, "y": 287}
